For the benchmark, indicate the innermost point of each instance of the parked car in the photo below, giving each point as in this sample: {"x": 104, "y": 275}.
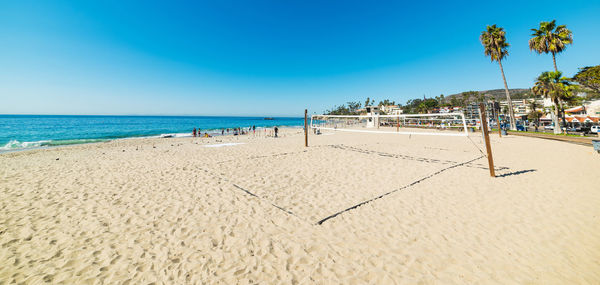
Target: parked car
{"x": 585, "y": 129}
{"x": 521, "y": 128}
{"x": 595, "y": 129}
{"x": 549, "y": 127}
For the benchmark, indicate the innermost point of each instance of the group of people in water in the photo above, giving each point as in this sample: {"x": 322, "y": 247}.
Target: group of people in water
{"x": 235, "y": 131}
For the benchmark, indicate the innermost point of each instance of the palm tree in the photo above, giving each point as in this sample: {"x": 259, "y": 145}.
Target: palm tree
{"x": 534, "y": 113}
{"x": 533, "y": 105}
{"x": 422, "y": 108}
{"x": 495, "y": 46}
{"x": 551, "y": 84}
{"x": 550, "y": 39}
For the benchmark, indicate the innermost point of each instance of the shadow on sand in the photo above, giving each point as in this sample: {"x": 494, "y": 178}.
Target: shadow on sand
{"x": 516, "y": 172}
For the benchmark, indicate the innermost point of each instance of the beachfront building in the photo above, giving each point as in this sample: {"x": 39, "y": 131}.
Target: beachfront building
{"x": 578, "y": 121}
{"x": 577, "y": 110}
{"x": 586, "y": 115}
{"x": 391, "y": 109}
{"x": 387, "y": 108}
{"x": 593, "y": 108}
{"x": 522, "y": 107}
{"x": 373, "y": 113}
{"x": 445, "y": 110}
{"x": 471, "y": 111}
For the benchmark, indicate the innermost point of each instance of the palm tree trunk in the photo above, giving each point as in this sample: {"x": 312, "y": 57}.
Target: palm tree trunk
{"x": 511, "y": 112}
{"x": 554, "y": 60}
{"x": 557, "y": 128}
{"x": 562, "y": 115}
{"x": 555, "y": 119}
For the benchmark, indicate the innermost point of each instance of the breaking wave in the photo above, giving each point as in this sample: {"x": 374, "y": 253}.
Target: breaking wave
{"x": 17, "y": 145}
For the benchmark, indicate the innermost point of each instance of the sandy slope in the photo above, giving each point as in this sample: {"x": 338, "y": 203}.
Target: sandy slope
{"x": 174, "y": 211}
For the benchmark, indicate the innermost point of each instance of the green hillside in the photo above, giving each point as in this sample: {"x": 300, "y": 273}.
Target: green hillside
{"x": 494, "y": 94}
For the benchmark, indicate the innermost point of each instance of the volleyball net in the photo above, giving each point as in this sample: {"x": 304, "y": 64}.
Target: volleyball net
{"x": 438, "y": 124}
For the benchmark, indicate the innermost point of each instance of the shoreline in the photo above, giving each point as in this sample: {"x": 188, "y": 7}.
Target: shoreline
{"x": 212, "y": 133}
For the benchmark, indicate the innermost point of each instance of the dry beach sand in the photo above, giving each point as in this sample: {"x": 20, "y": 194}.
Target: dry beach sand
{"x": 174, "y": 211}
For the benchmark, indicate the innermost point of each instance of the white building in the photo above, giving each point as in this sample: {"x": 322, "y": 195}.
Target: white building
{"x": 592, "y": 108}
{"x": 522, "y": 107}
{"x": 373, "y": 113}
{"x": 391, "y": 109}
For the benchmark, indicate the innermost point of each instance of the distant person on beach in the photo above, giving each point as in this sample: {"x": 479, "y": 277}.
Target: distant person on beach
{"x": 222, "y": 131}
{"x": 253, "y": 129}
{"x": 194, "y": 132}
{"x": 276, "y": 130}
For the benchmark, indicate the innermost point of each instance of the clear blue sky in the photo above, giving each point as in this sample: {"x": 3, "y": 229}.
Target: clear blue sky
{"x": 266, "y": 57}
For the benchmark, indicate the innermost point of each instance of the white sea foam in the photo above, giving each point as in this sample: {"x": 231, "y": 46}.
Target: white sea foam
{"x": 15, "y": 144}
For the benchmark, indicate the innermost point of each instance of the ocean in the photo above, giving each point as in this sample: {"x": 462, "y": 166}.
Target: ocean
{"x": 35, "y": 131}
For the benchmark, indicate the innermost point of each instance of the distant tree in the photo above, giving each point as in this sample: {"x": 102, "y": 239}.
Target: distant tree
{"x": 589, "y": 78}
{"x": 353, "y": 106}
{"x": 367, "y": 102}
{"x": 550, "y": 38}
{"x": 352, "y": 109}
{"x": 495, "y": 46}
{"x": 427, "y": 105}
{"x": 440, "y": 99}
{"x": 534, "y": 114}
{"x": 466, "y": 97}
{"x": 551, "y": 84}
{"x": 454, "y": 101}
{"x": 533, "y": 105}
{"x": 412, "y": 106}
{"x": 481, "y": 98}
{"x": 338, "y": 110}
{"x": 386, "y": 102}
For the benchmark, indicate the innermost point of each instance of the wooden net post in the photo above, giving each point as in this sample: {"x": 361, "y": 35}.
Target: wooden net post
{"x": 398, "y": 124}
{"x": 305, "y": 128}
{"x": 486, "y": 136}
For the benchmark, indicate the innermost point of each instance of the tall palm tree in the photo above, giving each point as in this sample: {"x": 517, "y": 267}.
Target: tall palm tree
{"x": 495, "y": 46}
{"x": 551, "y": 84}
{"x": 550, "y": 38}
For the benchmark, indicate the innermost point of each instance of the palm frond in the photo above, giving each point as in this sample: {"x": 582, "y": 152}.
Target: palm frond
{"x": 550, "y": 38}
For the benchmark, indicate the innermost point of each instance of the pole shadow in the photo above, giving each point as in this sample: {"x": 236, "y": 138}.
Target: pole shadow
{"x": 516, "y": 173}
